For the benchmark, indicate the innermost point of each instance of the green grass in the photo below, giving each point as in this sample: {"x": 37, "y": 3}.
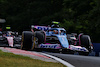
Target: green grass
{"x": 12, "y": 60}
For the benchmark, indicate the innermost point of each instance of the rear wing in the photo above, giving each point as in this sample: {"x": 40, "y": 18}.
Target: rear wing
{"x": 43, "y": 28}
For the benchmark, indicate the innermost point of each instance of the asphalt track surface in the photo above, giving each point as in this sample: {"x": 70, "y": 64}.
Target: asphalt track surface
{"x": 79, "y": 61}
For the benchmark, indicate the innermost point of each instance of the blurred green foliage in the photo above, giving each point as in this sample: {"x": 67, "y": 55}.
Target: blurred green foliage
{"x": 80, "y": 16}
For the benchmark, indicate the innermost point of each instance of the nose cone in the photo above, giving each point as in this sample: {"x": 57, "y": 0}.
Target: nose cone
{"x": 64, "y": 42}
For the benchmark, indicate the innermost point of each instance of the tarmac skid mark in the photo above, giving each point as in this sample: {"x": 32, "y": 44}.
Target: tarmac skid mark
{"x": 18, "y": 51}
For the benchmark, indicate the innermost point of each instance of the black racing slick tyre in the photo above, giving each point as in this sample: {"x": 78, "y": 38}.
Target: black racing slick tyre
{"x": 41, "y": 36}
{"x": 27, "y": 40}
{"x": 86, "y": 41}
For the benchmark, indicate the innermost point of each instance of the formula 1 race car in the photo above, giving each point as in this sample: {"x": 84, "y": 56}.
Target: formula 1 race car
{"x": 54, "y": 38}
{"x": 9, "y": 38}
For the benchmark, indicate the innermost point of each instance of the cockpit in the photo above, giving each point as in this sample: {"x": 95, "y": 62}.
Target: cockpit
{"x": 58, "y": 31}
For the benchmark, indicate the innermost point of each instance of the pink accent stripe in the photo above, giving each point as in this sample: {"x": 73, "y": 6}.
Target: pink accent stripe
{"x": 79, "y": 39}
{"x": 18, "y": 51}
{"x": 75, "y": 42}
{"x": 45, "y": 37}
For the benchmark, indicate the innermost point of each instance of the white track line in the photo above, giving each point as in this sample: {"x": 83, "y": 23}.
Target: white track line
{"x": 59, "y": 60}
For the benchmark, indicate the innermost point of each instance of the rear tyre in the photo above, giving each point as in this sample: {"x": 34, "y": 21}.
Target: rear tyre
{"x": 41, "y": 36}
{"x": 27, "y": 40}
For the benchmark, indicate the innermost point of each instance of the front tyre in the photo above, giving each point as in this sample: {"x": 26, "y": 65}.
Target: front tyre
{"x": 27, "y": 40}
{"x": 86, "y": 42}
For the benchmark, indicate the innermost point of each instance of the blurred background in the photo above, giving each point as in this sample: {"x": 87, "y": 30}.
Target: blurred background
{"x": 76, "y": 16}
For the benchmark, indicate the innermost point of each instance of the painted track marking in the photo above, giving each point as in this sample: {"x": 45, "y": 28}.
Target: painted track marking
{"x": 60, "y": 60}
{"x": 18, "y": 51}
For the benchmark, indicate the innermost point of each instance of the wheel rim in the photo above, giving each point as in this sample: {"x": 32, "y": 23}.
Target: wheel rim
{"x": 33, "y": 45}
{"x": 22, "y": 41}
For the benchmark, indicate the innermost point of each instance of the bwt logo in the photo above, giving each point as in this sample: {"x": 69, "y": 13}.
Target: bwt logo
{"x": 44, "y": 28}
{"x": 48, "y": 46}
